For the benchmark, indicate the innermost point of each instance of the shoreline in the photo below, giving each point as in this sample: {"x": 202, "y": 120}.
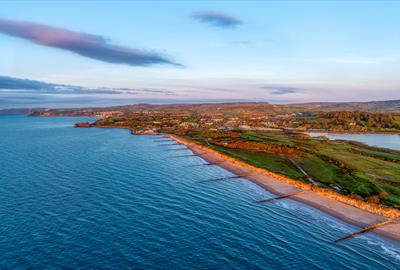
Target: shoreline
{"x": 354, "y": 212}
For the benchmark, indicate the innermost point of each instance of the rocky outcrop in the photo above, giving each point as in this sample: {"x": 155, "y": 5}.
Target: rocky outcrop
{"x": 83, "y": 125}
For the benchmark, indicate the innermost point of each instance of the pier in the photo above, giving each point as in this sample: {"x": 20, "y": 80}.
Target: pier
{"x": 364, "y": 230}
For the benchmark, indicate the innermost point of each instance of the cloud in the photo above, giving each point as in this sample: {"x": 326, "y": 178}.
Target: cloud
{"x": 218, "y": 19}
{"x": 31, "y": 86}
{"x": 88, "y": 45}
{"x": 281, "y": 90}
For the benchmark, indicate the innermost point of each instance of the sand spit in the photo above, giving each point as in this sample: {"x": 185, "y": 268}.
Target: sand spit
{"x": 352, "y": 211}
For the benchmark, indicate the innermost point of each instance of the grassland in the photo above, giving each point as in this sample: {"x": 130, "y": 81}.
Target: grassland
{"x": 354, "y": 169}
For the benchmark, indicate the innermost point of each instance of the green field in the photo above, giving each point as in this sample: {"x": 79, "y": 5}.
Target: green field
{"x": 355, "y": 169}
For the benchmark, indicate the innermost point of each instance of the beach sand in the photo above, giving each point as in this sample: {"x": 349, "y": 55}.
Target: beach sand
{"x": 333, "y": 204}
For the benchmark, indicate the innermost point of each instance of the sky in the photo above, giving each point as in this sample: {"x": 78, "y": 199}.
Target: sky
{"x": 92, "y": 53}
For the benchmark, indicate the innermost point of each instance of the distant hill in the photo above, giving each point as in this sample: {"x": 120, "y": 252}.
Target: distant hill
{"x": 371, "y": 106}
{"x": 390, "y": 106}
{"x": 18, "y": 111}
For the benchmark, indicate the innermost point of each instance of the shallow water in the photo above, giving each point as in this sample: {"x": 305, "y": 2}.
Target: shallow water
{"x": 101, "y": 198}
{"x": 391, "y": 141}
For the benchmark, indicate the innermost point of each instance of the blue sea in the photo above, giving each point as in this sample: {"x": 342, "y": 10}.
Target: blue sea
{"x": 390, "y": 141}
{"x": 75, "y": 198}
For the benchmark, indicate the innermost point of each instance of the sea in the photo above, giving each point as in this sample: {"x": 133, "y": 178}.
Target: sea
{"x": 391, "y": 141}
{"x": 92, "y": 198}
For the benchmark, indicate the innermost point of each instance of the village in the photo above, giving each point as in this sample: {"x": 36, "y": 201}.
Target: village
{"x": 156, "y": 121}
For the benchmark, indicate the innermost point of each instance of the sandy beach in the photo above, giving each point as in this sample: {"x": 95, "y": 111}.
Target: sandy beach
{"x": 351, "y": 211}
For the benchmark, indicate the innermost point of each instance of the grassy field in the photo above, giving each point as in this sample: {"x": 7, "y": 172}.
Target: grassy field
{"x": 368, "y": 173}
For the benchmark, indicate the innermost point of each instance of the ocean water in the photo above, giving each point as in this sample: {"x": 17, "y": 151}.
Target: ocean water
{"x": 104, "y": 199}
{"x": 391, "y": 141}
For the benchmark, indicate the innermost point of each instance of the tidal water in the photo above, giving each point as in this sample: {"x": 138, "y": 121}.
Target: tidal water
{"x": 103, "y": 199}
{"x": 391, "y": 141}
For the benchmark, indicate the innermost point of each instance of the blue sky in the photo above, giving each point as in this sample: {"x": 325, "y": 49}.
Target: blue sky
{"x": 183, "y": 51}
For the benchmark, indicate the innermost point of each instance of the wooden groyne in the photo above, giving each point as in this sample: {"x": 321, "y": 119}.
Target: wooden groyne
{"x": 281, "y": 197}
{"x": 200, "y": 154}
{"x": 162, "y": 140}
{"x": 193, "y": 155}
{"x": 230, "y": 177}
{"x": 224, "y": 178}
{"x": 364, "y": 230}
{"x": 214, "y": 163}
{"x": 162, "y": 144}
{"x": 178, "y": 149}
{"x": 207, "y": 164}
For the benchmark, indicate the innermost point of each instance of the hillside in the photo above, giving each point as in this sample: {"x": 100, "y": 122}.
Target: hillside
{"x": 391, "y": 106}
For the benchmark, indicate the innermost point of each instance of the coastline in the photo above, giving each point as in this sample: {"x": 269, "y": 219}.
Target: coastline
{"x": 354, "y": 212}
